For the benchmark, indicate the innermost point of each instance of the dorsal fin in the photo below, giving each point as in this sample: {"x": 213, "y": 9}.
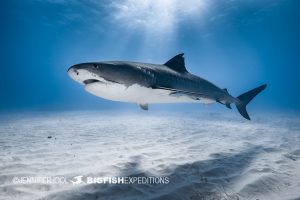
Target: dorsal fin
{"x": 177, "y": 63}
{"x": 225, "y": 89}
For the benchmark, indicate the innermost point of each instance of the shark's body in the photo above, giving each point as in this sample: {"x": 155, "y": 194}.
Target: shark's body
{"x": 144, "y": 83}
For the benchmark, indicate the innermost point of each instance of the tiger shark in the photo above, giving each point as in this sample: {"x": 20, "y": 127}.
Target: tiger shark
{"x": 145, "y": 83}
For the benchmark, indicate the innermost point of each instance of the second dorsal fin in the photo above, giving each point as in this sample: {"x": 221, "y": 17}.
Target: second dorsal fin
{"x": 177, "y": 63}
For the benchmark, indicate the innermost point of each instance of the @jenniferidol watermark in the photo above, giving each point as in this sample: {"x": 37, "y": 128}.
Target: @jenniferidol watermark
{"x": 77, "y": 180}
{"x": 39, "y": 180}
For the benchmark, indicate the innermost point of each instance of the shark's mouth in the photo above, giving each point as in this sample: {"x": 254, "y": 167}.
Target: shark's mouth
{"x": 89, "y": 81}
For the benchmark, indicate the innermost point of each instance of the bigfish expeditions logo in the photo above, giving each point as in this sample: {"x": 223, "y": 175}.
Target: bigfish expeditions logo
{"x": 78, "y": 180}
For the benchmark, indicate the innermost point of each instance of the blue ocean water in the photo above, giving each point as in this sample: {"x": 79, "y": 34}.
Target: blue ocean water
{"x": 235, "y": 44}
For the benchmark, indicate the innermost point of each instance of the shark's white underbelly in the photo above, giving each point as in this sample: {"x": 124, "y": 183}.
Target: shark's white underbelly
{"x": 138, "y": 94}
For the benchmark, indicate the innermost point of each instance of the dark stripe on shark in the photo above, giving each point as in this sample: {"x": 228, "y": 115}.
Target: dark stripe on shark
{"x": 194, "y": 95}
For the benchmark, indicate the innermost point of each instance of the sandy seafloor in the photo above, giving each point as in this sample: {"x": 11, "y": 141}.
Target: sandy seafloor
{"x": 205, "y": 155}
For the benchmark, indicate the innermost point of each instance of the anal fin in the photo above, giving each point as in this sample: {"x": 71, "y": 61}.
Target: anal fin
{"x": 228, "y": 105}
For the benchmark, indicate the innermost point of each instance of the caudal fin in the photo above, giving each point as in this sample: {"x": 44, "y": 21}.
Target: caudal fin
{"x": 245, "y": 98}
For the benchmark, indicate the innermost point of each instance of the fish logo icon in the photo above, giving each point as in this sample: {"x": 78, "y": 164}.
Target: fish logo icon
{"x": 78, "y": 180}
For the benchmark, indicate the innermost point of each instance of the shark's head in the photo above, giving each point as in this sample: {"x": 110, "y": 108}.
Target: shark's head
{"x": 117, "y": 72}
{"x": 86, "y": 73}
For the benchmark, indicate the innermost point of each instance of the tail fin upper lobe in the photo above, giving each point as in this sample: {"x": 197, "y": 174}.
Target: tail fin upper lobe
{"x": 245, "y": 98}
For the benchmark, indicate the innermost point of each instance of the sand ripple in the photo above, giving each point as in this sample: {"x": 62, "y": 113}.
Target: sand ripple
{"x": 206, "y": 156}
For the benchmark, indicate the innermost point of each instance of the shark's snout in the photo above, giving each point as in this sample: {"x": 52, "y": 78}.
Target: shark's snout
{"x": 83, "y": 73}
{"x": 73, "y": 72}
{"x": 78, "y": 74}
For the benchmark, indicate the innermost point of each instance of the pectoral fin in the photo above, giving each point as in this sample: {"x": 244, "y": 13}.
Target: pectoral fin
{"x": 144, "y": 106}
